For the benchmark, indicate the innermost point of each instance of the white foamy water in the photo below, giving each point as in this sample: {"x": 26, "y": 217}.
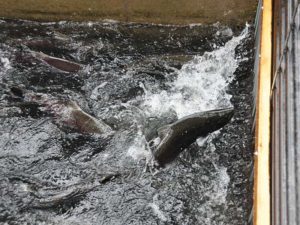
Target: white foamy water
{"x": 224, "y": 180}
{"x": 201, "y": 83}
{"x": 138, "y": 151}
{"x": 216, "y": 196}
{"x": 158, "y": 212}
{"x": 5, "y": 64}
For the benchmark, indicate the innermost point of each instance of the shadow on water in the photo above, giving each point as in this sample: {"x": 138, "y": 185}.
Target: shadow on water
{"x": 135, "y": 78}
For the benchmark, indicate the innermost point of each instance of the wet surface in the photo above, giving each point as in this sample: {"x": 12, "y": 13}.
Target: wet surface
{"x": 135, "y": 78}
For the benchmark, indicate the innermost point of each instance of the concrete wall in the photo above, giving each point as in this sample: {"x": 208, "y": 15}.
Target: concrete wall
{"x": 235, "y": 12}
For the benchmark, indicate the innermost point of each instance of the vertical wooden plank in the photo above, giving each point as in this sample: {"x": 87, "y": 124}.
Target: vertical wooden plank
{"x": 275, "y": 115}
{"x": 297, "y": 109}
{"x": 262, "y": 150}
{"x": 290, "y": 121}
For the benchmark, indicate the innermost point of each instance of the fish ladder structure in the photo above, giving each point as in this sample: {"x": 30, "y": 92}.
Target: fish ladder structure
{"x": 277, "y": 96}
{"x": 262, "y": 83}
{"x": 276, "y": 93}
{"x": 285, "y": 102}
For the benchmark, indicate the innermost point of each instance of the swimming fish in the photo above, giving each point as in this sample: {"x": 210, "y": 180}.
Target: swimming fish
{"x": 182, "y": 133}
{"x": 58, "y": 63}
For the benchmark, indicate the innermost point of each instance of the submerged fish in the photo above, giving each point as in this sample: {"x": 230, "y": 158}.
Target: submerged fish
{"x": 58, "y": 63}
{"x": 55, "y": 197}
{"x": 85, "y": 122}
{"x": 179, "y": 135}
{"x": 65, "y": 111}
{"x": 41, "y": 45}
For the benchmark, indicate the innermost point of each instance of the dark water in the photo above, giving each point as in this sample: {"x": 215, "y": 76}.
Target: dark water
{"x": 135, "y": 78}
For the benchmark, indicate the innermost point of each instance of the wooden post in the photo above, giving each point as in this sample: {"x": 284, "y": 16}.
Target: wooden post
{"x": 262, "y": 207}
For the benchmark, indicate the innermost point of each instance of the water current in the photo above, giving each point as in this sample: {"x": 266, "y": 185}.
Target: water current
{"x": 136, "y": 78}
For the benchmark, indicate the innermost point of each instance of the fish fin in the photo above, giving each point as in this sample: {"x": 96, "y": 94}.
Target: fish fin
{"x": 163, "y": 131}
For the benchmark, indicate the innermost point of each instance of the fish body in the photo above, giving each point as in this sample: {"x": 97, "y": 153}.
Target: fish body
{"x": 58, "y": 63}
{"x": 182, "y": 133}
{"x": 85, "y": 122}
{"x": 66, "y": 112}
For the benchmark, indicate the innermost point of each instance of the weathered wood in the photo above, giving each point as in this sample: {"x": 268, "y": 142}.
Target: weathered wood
{"x": 234, "y": 12}
{"x": 262, "y": 137}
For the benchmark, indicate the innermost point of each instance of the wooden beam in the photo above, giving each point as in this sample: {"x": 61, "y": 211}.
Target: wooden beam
{"x": 262, "y": 207}
{"x": 232, "y": 12}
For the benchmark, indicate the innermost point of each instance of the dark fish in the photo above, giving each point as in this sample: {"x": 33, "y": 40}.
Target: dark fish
{"x": 181, "y": 134}
{"x": 58, "y": 63}
{"x": 41, "y": 45}
{"x": 152, "y": 124}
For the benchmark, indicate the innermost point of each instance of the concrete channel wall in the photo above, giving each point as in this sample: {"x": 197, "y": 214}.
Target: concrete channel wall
{"x": 232, "y": 12}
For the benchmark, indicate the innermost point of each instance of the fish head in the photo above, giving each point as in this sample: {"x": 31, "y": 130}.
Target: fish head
{"x": 216, "y": 119}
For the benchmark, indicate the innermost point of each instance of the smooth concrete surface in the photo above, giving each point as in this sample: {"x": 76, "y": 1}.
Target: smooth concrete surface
{"x": 231, "y": 12}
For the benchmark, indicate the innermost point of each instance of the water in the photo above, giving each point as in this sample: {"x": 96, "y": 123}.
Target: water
{"x": 200, "y": 84}
{"x": 135, "y": 78}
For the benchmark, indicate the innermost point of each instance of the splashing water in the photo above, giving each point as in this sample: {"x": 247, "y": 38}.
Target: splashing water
{"x": 5, "y": 64}
{"x": 133, "y": 83}
{"x": 200, "y": 84}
